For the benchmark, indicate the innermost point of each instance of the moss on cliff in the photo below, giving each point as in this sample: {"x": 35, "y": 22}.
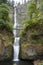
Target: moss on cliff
{"x": 31, "y": 41}
{"x": 6, "y": 45}
{"x": 31, "y": 38}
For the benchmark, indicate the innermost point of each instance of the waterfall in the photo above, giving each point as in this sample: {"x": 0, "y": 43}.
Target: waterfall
{"x": 16, "y": 40}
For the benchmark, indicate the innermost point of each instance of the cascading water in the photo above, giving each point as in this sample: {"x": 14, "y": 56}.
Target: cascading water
{"x": 16, "y": 40}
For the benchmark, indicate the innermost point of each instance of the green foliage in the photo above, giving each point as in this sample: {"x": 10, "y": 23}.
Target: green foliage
{"x": 40, "y": 63}
{"x": 3, "y": 1}
{"x": 34, "y": 24}
{"x": 4, "y": 12}
{"x": 32, "y": 7}
{"x": 32, "y": 10}
{"x": 4, "y": 6}
{"x": 37, "y": 18}
{"x": 41, "y": 6}
{"x": 7, "y": 26}
{"x": 4, "y": 18}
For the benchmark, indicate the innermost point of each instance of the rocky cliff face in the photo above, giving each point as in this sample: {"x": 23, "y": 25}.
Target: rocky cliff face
{"x": 6, "y": 45}
{"x": 31, "y": 45}
{"x": 31, "y": 39}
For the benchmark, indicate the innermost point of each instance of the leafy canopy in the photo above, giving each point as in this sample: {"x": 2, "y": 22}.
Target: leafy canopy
{"x": 34, "y": 23}
{"x": 4, "y": 18}
{"x": 4, "y": 12}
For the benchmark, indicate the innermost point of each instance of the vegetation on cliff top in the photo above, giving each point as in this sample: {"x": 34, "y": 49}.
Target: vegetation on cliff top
{"x": 31, "y": 39}
{"x": 3, "y": 1}
{"x": 6, "y": 33}
{"x": 4, "y": 18}
{"x": 5, "y": 26}
{"x": 34, "y": 23}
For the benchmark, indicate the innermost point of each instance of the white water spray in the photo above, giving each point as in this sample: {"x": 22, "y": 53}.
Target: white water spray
{"x": 16, "y": 40}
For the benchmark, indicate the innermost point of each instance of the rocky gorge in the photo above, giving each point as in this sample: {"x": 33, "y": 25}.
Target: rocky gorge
{"x": 31, "y": 38}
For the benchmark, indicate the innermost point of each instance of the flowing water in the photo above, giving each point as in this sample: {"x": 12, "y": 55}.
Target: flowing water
{"x": 16, "y": 63}
{"x": 16, "y": 46}
{"x": 16, "y": 40}
{"x": 16, "y": 49}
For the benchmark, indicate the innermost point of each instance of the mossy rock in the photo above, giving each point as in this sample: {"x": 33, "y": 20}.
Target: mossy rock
{"x": 31, "y": 44}
{"x": 6, "y": 45}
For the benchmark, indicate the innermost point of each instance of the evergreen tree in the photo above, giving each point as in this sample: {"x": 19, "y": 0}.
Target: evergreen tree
{"x": 3, "y": 1}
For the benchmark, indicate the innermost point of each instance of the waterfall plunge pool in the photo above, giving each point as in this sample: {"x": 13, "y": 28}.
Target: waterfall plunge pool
{"x": 16, "y": 63}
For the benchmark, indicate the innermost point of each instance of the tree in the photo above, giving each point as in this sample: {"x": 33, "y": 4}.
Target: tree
{"x": 34, "y": 24}
{"x": 39, "y": 4}
{"x": 4, "y": 12}
{"x": 3, "y": 1}
{"x": 4, "y": 18}
{"x": 32, "y": 10}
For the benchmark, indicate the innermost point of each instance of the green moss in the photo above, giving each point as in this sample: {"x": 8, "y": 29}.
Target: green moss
{"x": 6, "y": 40}
{"x": 40, "y": 63}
